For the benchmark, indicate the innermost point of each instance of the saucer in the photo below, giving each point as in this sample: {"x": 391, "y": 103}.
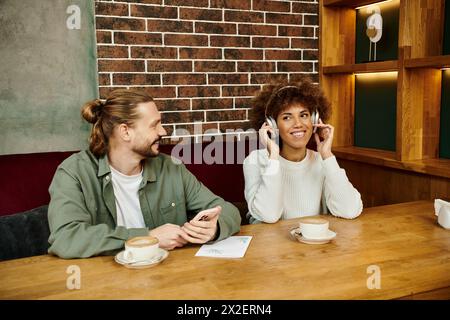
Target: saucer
{"x": 295, "y": 233}
{"x": 161, "y": 256}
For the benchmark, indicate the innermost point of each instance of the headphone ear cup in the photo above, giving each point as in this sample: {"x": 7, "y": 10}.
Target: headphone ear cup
{"x": 271, "y": 121}
{"x": 315, "y": 117}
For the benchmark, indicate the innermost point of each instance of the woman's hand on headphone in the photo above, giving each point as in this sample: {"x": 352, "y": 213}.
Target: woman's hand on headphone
{"x": 327, "y": 133}
{"x": 270, "y": 144}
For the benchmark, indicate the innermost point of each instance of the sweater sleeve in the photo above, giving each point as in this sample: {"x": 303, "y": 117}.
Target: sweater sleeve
{"x": 263, "y": 187}
{"x": 342, "y": 199}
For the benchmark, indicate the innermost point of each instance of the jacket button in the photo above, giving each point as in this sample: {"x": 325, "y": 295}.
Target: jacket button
{"x": 173, "y": 204}
{"x": 107, "y": 177}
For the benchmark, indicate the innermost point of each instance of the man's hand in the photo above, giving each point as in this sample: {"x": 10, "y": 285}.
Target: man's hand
{"x": 203, "y": 227}
{"x": 170, "y": 236}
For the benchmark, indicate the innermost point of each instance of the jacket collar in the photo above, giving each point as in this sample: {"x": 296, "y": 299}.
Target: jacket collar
{"x": 148, "y": 174}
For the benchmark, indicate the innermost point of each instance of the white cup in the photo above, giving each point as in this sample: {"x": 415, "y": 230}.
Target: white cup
{"x": 141, "y": 249}
{"x": 444, "y": 216}
{"x": 313, "y": 227}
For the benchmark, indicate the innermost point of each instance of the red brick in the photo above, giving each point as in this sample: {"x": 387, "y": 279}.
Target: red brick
{"x": 283, "y": 55}
{"x": 202, "y": 128}
{"x": 214, "y": 66}
{"x": 226, "y": 116}
{"x": 154, "y": 11}
{"x": 185, "y": 40}
{"x": 200, "y": 53}
{"x": 273, "y": 6}
{"x": 243, "y": 54}
{"x": 220, "y": 28}
{"x": 121, "y": 65}
{"x": 266, "y": 42}
{"x": 229, "y": 78}
{"x": 261, "y": 30}
{"x": 187, "y": 3}
{"x": 144, "y": 1}
{"x": 206, "y": 104}
{"x": 305, "y": 7}
{"x": 224, "y": 41}
{"x": 104, "y": 37}
{"x": 291, "y": 31}
{"x": 112, "y": 51}
{"x": 305, "y": 43}
{"x": 105, "y": 91}
{"x": 104, "y": 79}
{"x": 200, "y": 14}
{"x": 136, "y": 79}
{"x": 240, "y": 103}
{"x": 263, "y": 78}
{"x": 182, "y": 78}
{"x": 137, "y": 38}
{"x": 232, "y": 4}
{"x": 177, "y": 117}
{"x": 310, "y": 54}
{"x": 199, "y": 91}
{"x": 154, "y": 52}
{"x": 284, "y": 18}
{"x": 169, "y": 66}
{"x": 300, "y": 76}
{"x": 234, "y": 126}
{"x": 235, "y": 91}
{"x": 294, "y": 66}
{"x": 159, "y": 92}
{"x": 243, "y": 16}
{"x": 115, "y": 23}
{"x": 311, "y": 20}
{"x": 169, "y": 129}
{"x": 169, "y": 26}
{"x": 256, "y": 66}
{"x": 173, "y": 104}
{"x": 111, "y": 9}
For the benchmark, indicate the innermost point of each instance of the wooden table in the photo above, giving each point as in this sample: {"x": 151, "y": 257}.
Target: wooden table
{"x": 403, "y": 240}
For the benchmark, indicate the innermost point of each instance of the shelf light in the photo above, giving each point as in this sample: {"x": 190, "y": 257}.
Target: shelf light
{"x": 387, "y": 73}
{"x": 378, "y": 75}
{"x": 372, "y": 4}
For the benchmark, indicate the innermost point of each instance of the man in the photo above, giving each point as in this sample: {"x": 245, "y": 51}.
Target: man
{"x": 122, "y": 187}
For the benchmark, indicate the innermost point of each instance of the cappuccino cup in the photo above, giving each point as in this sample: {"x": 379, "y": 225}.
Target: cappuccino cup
{"x": 444, "y": 216}
{"x": 313, "y": 227}
{"x": 141, "y": 249}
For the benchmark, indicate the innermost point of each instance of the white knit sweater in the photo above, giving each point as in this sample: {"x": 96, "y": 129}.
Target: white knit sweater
{"x": 282, "y": 189}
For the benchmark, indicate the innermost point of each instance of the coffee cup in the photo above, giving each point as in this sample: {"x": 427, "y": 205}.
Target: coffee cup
{"x": 444, "y": 216}
{"x": 141, "y": 249}
{"x": 313, "y": 227}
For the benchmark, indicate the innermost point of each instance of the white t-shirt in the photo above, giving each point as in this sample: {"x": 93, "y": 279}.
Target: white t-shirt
{"x": 128, "y": 207}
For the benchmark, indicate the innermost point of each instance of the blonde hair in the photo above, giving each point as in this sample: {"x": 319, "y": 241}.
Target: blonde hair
{"x": 119, "y": 107}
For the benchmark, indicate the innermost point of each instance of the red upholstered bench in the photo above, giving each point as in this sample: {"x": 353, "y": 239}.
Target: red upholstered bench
{"x": 26, "y": 177}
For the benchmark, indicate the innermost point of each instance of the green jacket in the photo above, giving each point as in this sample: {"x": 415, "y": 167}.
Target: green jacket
{"x": 82, "y": 210}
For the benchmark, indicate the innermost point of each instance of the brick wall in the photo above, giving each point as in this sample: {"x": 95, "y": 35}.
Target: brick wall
{"x": 203, "y": 60}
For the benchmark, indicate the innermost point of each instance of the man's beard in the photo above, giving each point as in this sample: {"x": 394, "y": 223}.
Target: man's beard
{"x": 146, "y": 150}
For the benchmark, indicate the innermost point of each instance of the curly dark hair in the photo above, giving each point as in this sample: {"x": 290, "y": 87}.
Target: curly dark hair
{"x": 304, "y": 92}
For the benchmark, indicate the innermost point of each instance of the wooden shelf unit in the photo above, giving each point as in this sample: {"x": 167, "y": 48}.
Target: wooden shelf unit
{"x": 380, "y": 66}
{"x": 438, "y": 62}
{"x": 419, "y": 76}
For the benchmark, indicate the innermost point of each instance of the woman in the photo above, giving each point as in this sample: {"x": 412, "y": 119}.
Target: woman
{"x": 286, "y": 179}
